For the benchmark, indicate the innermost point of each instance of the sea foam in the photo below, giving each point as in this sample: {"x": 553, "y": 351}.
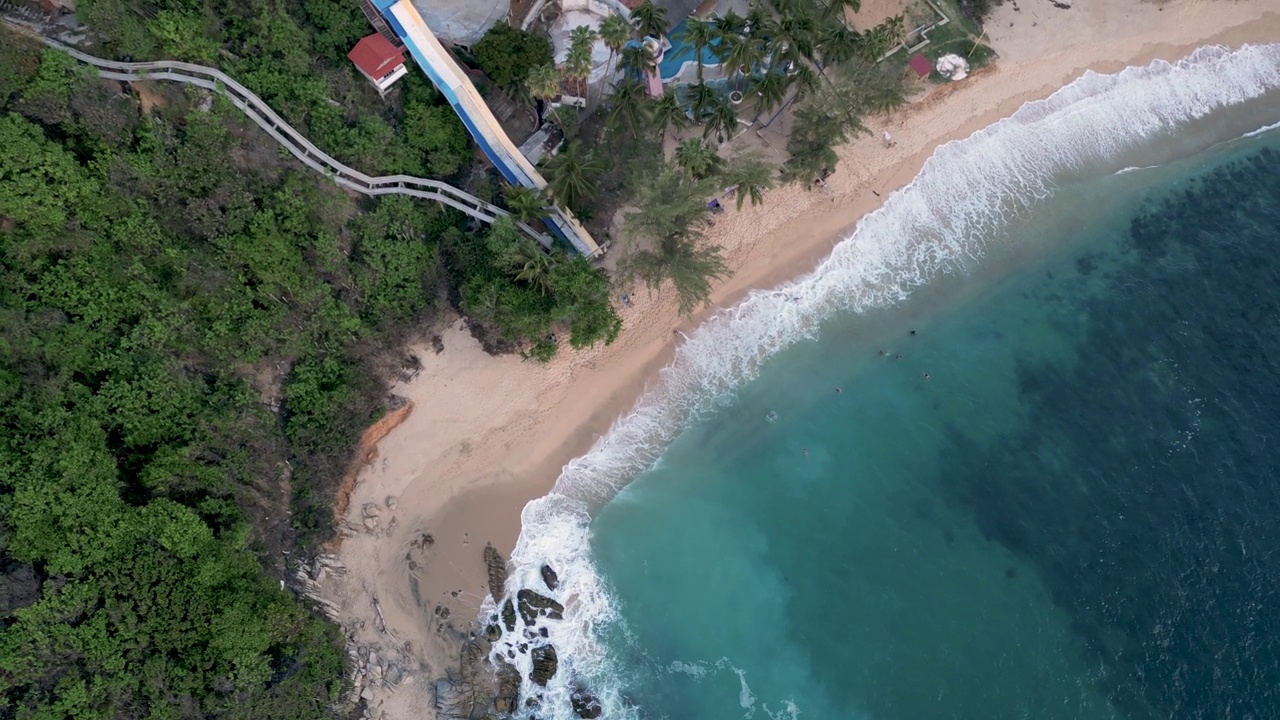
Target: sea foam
{"x": 939, "y": 223}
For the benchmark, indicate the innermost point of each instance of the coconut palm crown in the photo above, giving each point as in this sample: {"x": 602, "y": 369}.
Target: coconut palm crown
{"x": 649, "y": 19}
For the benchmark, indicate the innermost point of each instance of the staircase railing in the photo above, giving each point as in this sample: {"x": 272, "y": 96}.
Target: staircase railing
{"x": 299, "y": 146}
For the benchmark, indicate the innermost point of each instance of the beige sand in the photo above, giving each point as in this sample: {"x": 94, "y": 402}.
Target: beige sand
{"x": 487, "y": 434}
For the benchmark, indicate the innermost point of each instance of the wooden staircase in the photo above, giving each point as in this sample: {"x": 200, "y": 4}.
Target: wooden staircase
{"x": 378, "y": 22}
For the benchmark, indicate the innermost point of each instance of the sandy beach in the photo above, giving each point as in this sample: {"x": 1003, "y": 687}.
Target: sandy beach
{"x": 487, "y": 434}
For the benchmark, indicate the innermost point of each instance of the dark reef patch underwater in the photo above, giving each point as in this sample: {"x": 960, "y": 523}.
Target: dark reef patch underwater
{"x": 1143, "y": 482}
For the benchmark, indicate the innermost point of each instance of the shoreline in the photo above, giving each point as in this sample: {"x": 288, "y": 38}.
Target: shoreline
{"x": 488, "y": 434}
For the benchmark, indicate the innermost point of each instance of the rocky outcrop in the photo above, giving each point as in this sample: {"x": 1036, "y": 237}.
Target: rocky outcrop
{"x": 585, "y": 704}
{"x": 507, "y": 698}
{"x": 497, "y": 570}
{"x": 544, "y": 664}
{"x": 550, "y": 578}
{"x": 509, "y": 615}
{"x": 469, "y": 691}
{"x": 531, "y": 605}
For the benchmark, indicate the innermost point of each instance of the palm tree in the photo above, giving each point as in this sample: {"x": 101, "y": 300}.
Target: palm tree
{"x": 759, "y": 23}
{"x": 636, "y": 61}
{"x": 794, "y": 37}
{"x": 669, "y": 112}
{"x": 743, "y": 54}
{"x": 771, "y": 89}
{"x": 543, "y": 82}
{"x": 578, "y": 60}
{"x": 649, "y": 19}
{"x": 614, "y": 32}
{"x": 525, "y": 203}
{"x": 697, "y": 158}
{"x": 630, "y": 106}
{"x": 577, "y": 68}
{"x": 895, "y": 29}
{"x": 582, "y": 37}
{"x": 838, "y": 43}
{"x": 875, "y": 43}
{"x": 804, "y": 80}
{"x": 751, "y": 175}
{"x": 702, "y": 98}
{"x": 731, "y": 24}
{"x": 531, "y": 265}
{"x": 699, "y": 33}
{"x": 572, "y": 175}
{"x": 723, "y": 119}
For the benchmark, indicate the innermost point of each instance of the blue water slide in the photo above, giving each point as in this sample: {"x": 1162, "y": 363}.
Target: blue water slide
{"x": 453, "y": 83}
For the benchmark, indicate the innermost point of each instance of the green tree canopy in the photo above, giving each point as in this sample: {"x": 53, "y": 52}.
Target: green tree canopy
{"x": 549, "y": 293}
{"x": 688, "y": 261}
{"x": 751, "y": 175}
{"x": 697, "y": 158}
{"x": 507, "y": 55}
{"x": 438, "y": 134}
{"x": 573, "y": 172}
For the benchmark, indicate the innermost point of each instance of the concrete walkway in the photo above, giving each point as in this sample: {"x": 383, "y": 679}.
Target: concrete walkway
{"x": 260, "y": 113}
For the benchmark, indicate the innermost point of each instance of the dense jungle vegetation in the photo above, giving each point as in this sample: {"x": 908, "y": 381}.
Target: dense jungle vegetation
{"x": 194, "y": 330}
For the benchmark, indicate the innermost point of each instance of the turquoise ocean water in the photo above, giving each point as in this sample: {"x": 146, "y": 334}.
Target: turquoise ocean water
{"x": 1007, "y": 454}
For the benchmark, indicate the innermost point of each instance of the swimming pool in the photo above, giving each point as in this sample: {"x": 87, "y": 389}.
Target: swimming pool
{"x": 680, "y": 53}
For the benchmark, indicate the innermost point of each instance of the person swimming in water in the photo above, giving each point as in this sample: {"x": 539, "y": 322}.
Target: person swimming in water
{"x": 772, "y": 416}
{"x": 839, "y": 390}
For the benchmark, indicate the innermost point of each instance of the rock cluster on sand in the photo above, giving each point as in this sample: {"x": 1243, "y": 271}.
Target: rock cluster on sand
{"x": 497, "y": 568}
{"x": 370, "y": 670}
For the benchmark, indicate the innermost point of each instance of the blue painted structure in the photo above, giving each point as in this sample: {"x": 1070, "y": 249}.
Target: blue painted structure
{"x": 456, "y": 87}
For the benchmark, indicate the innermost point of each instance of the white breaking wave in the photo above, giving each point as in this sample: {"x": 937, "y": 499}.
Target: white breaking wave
{"x": 939, "y": 223}
{"x": 1262, "y": 130}
{"x": 746, "y": 700}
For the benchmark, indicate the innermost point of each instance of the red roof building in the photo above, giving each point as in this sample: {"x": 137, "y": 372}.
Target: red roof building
{"x": 921, "y": 65}
{"x": 379, "y": 61}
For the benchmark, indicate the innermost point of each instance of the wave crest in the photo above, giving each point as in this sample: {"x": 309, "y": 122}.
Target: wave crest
{"x": 940, "y": 222}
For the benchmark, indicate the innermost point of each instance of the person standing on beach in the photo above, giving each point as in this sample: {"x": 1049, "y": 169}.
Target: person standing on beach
{"x": 888, "y": 139}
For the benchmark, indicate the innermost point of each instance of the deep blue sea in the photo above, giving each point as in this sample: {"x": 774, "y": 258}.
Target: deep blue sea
{"x": 1012, "y": 452}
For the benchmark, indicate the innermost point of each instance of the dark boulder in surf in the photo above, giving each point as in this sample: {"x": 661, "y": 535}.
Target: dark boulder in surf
{"x": 509, "y": 615}
{"x": 532, "y": 605}
{"x": 507, "y": 697}
{"x": 544, "y": 664}
{"x": 550, "y": 578}
{"x": 585, "y": 705}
